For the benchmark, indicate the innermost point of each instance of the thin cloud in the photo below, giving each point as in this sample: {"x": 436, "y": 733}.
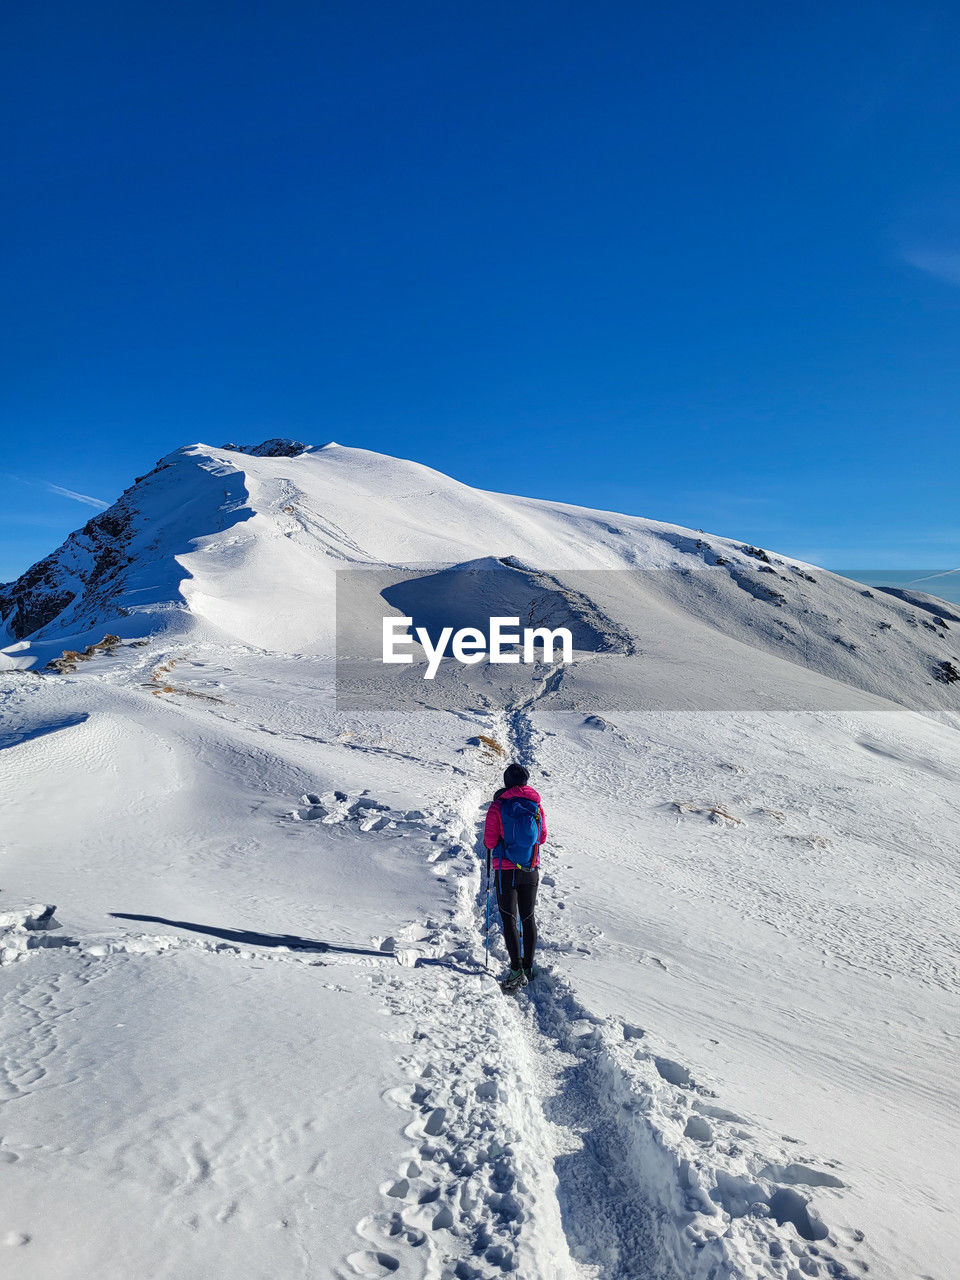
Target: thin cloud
{"x": 944, "y": 264}
{"x": 58, "y": 489}
{"x": 944, "y": 573}
{"x": 77, "y": 497}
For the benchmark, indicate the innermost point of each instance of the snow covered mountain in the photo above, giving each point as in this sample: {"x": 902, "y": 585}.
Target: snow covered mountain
{"x": 243, "y": 544}
{"x": 739, "y": 1061}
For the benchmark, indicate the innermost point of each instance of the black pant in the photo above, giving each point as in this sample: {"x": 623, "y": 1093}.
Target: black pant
{"x": 517, "y": 892}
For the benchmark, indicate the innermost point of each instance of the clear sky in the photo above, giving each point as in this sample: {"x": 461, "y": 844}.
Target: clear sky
{"x": 698, "y": 262}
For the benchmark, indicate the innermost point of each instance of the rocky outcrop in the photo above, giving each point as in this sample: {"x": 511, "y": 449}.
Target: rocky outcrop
{"x": 89, "y": 562}
{"x": 276, "y": 448}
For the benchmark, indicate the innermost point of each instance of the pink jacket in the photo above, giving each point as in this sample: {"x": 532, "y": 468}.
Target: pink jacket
{"x": 493, "y": 827}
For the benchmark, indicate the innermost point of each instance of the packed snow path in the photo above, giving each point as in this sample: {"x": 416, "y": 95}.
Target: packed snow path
{"x": 503, "y": 1094}
{"x": 535, "y": 1146}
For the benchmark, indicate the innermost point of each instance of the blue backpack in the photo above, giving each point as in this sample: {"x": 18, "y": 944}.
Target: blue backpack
{"x": 520, "y": 819}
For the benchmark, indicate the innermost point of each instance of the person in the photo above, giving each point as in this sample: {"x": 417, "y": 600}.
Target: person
{"x": 516, "y": 884}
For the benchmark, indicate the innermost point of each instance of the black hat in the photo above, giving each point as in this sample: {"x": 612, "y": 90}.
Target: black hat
{"x": 515, "y": 775}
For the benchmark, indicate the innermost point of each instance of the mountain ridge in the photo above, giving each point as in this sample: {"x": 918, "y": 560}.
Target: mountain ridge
{"x": 244, "y": 542}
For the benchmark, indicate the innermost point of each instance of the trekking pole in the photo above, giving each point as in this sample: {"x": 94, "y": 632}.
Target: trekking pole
{"x": 486, "y": 927}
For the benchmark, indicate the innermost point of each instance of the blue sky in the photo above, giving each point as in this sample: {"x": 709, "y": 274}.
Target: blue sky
{"x": 690, "y": 261}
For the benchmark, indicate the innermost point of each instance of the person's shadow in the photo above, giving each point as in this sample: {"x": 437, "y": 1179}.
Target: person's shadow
{"x": 251, "y": 938}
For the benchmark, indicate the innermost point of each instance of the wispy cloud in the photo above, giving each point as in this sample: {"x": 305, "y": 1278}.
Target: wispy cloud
{"x": 944, "y": 573}
{"x": 942, "y": 263}
{"x": 77, "y": 497}
{"x": 58, "y": 489}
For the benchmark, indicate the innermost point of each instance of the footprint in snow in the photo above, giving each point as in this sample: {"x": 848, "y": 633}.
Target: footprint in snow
{"x": 373, "y": 1264}
{"x": 674, "y": 1073}
{"x": 698, "y": 1129}
{"x": 799, "y": 1175}
{"x": 436, "y": 1122}
{"x": 334, "y": 809}
{"x": 389, "y": 1227}
{"x": 402, "y": 1096}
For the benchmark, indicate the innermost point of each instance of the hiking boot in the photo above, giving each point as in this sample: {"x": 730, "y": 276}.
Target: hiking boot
{"x": 531, "y": 972}
{"x": 514, "y": 980}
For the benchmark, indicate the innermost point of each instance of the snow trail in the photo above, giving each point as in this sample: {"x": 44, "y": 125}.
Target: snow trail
{"x": 519, "y": 1163}
{"x": 544, "y": 1138}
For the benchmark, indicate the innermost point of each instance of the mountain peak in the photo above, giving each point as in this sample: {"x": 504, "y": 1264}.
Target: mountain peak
{"x": 276, "y": 447}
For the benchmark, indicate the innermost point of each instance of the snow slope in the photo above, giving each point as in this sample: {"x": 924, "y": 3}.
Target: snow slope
{"x": 257, "y": 1036}
{"x": 235, "y": 546}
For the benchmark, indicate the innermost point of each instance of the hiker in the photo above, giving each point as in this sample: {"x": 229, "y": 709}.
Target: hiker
{"x": 515, "y": 825}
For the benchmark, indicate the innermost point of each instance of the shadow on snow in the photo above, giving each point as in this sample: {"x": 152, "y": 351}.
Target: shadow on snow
{"x": 251, "y": 938}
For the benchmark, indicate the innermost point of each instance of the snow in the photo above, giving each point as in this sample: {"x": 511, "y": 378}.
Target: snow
{"x": 258, "y": 1038}
{"x": 24, "y": 928}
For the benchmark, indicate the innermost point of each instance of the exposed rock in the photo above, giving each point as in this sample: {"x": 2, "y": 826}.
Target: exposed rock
{"x": 757, "y": 552}
{"x": 89, "y": 560}
{"x": 276, "y": 448}
{"x": 67, "y": 662}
